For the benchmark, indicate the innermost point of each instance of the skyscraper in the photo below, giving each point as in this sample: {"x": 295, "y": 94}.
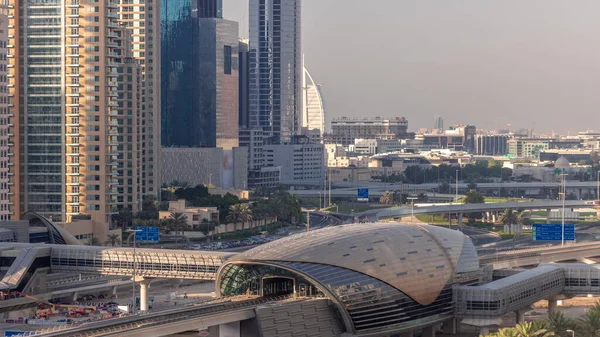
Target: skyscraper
{"x": 63, "y": 107}
{"x": 142, "y": 19}
{"x": 200, "y": 66}
{"x": 313, "y": 116}
{"x": 275, "y": 71}
{"x": 438, "y": 122}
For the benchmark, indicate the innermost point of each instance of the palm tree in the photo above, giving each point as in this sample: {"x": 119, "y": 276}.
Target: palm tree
{"x": 533, "y": 329}
{"x": 387, "y": 198}
{"x": 590, "y": 322}
{"x": 179, "y": 221}
{"x": 509, "y": 218}
{"x": 559, "y": 323}
{"x": 113, "y": 240}
{"x": 239, "y": 213}
{"x": 93, "y": 241}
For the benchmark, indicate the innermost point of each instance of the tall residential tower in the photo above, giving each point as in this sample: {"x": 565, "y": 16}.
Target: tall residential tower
{"x": 275, "y": 69}
{"x": 63, "y": 107}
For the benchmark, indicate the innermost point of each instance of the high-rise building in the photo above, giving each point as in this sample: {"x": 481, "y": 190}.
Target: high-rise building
{"x": 244, "y": 97}
{"x": 438, "y": 122}
{"x": 128, "y": 121}
{"x": 143, "y": 19}
{"x": 63, "y": 94}
{"x": 200, "y": 67}
{"x": 313, "y": 116}
{"x": 4, "y": 148}
{"x": 275, "y": 72}
{"x": 218, "y": 83}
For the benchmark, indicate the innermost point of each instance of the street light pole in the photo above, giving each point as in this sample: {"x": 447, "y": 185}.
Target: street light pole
{"x": 412, "y": 207}
{"x": 456, "y": 187}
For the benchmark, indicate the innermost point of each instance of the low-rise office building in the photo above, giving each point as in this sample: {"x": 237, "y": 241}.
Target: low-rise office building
{"x": 194, "y": 216}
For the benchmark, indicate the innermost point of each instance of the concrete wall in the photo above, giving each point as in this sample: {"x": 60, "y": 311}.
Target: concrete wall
{"x": 202, "y": 166}
{"x": 306, "y": 318}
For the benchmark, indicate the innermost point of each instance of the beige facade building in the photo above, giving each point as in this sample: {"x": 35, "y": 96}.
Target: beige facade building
{"x": 81, "y": 125}
{"x": 142, "y": 19}
{"x": 195, "y": 216}
{"x": 4, "y": 149}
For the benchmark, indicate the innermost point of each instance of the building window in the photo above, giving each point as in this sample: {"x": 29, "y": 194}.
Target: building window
{"x": 227, "y": 60}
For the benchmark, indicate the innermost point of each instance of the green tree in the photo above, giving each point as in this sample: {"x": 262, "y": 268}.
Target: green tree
{"x": 589, "y": 324}
{"x": 239, "y": 213}
{"x": 123, "y": 218}
{"x": 179, "y": 222}
{"x": 149, "y": 208}
{"x": 473, "y": 197}
{"x": 559, "y": 324}
{"x": 93, "y": 241}
{"x": 510, "y": 217}
{"x": 387, "y": 198}
{"x": 113, "y": 240}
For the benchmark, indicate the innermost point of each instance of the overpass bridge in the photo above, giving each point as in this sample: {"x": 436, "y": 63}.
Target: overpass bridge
{"x": 460, "y": 209}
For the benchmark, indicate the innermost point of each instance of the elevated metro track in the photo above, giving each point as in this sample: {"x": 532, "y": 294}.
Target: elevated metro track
{"x": 162, "y": 323}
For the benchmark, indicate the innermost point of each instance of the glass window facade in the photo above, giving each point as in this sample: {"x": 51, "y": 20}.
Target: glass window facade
{"x": 44, "y": 108}
{"x": 275, "y": 67}
{"x": 371, "y": 304}
{"x": 201, "y": 81}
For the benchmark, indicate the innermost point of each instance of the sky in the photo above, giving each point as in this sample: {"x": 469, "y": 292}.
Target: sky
{"x": 506, "y": 64}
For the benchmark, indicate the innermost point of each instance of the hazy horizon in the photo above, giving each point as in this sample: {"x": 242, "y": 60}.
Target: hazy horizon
{"x": 528, "y": 64}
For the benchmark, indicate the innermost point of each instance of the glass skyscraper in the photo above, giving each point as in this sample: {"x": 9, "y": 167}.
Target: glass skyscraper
{"x": 275, "y": 70}
{"x": 199, "y": 64}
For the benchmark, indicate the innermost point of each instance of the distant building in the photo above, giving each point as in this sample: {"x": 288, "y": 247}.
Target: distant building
{"x": 491, "y": 145}
{"x": 345, "y": 130}
{"x": 572, "y": 156}
{"x": 527, "y": 147}
{"x": 275, "y": 67}
{"x": 313, "y": 116}
{"x": 195, "y": 217}
{"x": 438, "y": 122}
{"x": 300, "y": 160}
{"x": 459, "y": 137}
{"x": 259, "y": 175}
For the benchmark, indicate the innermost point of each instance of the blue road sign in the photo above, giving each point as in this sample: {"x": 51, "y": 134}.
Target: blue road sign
{"x": 362, "y": 194}
{"x": 11, "y": 333}
{"x": 553, "y": 232}
{"x": 147, "y": 234}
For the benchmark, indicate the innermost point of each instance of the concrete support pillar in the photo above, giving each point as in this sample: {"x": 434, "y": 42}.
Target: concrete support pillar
{"x": 114, "y": 290}
{"x": 484, "y": 330}
{"x": 450, "y": 327}
{"x": 520, "y": 316}
{"x": 408, "y": 333}
{"x": 460, "y": 220}
{"x": 75, "y": 296}
{"x": 548, "y": 215}
{"x": 552, "y": 304}
{"x": 230, "y": 330}
{"x": 428, "y": 331}
{"x": 144, "y": 294}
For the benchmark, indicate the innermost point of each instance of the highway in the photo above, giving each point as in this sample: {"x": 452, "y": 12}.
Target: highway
{"x": 392, "y": 212}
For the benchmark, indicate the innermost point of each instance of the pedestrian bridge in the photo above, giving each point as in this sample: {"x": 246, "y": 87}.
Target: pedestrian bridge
{"x": 520, "y": 290}
{"x": 23, "y": 260}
